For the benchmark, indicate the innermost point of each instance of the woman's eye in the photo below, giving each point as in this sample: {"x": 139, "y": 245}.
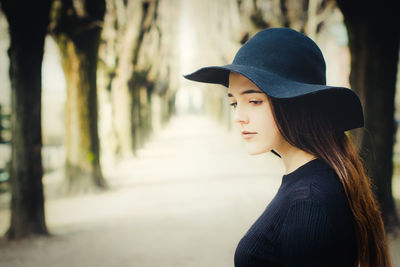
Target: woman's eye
{"x": 254, "y": 102}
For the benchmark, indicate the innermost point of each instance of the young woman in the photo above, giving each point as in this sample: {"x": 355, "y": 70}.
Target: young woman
{"x": 324, "y": 213}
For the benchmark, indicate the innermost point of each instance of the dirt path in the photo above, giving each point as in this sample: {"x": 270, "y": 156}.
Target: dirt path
{"x": 185, "y": 202}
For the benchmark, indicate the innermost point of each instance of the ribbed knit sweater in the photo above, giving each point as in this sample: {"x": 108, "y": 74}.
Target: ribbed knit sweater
{"x": 308, "y": 223}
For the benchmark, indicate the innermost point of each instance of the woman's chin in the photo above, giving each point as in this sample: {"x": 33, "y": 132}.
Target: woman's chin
{"x": 255, "y": 151}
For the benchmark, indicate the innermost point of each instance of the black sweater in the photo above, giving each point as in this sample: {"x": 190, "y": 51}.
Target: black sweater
{"x": 308, "y": 223}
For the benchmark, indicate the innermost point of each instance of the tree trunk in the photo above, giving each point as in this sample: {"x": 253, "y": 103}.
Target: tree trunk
{"x": 141, "y": 114}
{"x": 124, "y": 87}
{"x": 144, "y": 53}
{"x": 77, "y": 33}
{"x": 28, "y": 23}
{"x": 305, "y": 16}
{"x": 374, "y": 46}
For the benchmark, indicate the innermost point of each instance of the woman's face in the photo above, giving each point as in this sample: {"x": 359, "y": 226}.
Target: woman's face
{"x": 253, "y": 116}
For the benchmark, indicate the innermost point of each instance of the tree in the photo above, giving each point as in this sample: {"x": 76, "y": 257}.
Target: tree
{"x": 374, "y": 45}
{"x": 132, "y": 79}
{"x": 28, "y": 22}
{"x": 306, "y": 16}
{"x": 137, "y": 55}
{"x": 76, "y": 27}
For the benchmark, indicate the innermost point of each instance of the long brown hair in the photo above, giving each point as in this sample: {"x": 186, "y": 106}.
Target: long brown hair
{"x": 308, "y": 123}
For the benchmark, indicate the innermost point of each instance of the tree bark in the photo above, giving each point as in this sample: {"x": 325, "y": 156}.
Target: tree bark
{"x": 127, "y": 80}
{"x": 140, "y": 82}
{"x": 77, "y": 32}
{"x": 143, "y": 48}
{"x": 305, "y": 16}
{"x": 374, "y": 44}
{"x": 28, "y": 23}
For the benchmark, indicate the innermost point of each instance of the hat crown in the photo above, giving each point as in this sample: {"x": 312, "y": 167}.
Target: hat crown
{"x": 284, "y": 52}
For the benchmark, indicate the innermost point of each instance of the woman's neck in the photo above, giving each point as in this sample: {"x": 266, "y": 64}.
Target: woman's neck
{"x": 294, "y": 157}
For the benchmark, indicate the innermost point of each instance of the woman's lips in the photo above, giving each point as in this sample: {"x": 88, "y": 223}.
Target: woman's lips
{"x": 248, "y": 135}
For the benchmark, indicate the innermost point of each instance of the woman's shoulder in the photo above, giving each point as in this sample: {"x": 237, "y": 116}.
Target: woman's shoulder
{"x": 315, "y": 179}
{"x": 319, "y": 183}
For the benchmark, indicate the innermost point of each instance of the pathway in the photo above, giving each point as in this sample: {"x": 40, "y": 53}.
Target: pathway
{"x": 184, "y": 202}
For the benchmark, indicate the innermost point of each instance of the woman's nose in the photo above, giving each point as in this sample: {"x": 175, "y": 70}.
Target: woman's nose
{"x": 241, "y": 116}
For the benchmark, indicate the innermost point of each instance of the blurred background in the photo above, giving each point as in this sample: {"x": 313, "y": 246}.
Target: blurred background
{"x": 108, "y": 157}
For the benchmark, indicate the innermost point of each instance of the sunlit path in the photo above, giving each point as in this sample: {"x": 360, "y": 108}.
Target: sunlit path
{"x": 186, "y": 201}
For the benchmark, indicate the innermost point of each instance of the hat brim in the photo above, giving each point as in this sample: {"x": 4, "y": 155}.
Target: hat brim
{"x": 343, "y": 101}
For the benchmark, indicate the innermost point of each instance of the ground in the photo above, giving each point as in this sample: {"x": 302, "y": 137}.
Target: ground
{"x": 186, "y": 200}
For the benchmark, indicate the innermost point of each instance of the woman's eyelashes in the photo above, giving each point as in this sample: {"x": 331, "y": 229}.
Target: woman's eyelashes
{"x": 256, "y": 102}
{"x": 233, "y": 104}
{"x": 253, "y": 102}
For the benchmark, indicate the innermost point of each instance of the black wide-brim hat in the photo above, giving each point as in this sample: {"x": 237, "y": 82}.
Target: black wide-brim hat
{"x": 286, "y": 64}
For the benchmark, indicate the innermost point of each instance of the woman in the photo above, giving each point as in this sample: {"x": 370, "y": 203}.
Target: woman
{"x": 324, "y": 213}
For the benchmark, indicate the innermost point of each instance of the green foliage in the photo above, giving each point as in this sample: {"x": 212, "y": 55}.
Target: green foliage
{"x": 91, "y": 157}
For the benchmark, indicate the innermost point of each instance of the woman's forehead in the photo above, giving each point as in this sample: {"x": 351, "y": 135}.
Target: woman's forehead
{"x": 244, "y": 91}
{"x": 236, "y": 79}
{"x": 240, "y": 85}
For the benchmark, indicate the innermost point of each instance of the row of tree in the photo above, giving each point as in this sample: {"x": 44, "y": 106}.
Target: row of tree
{"x": 128, "y": 49}
{"x": 134, "y": 40}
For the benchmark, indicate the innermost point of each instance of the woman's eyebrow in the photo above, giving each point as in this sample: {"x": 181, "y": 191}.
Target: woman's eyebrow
{"x": 251, "y": 91}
